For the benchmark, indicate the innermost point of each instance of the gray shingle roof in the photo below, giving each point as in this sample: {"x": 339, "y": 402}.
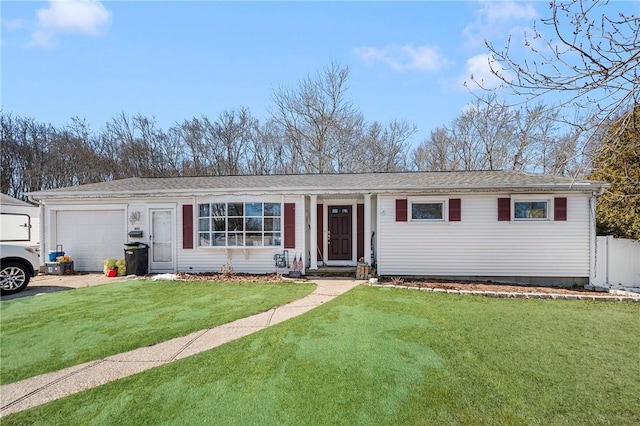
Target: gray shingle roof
{"x": 410, "y": 182}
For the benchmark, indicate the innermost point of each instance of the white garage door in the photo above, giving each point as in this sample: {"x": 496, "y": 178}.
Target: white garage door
{"x": 90, "y": 237}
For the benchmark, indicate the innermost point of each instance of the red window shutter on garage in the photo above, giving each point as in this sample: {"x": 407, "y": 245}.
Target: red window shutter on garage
{"x": 560, "y": 208}
{"x": 187, "y": 226}
{"x": 504, "y": 208}
{"x": 455, "y": 210}
{"x": 289, "y": 225}
{"x": 401, "y": 210}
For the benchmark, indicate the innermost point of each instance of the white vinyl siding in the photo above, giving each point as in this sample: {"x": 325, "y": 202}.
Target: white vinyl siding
{"x": 480, "y": 245}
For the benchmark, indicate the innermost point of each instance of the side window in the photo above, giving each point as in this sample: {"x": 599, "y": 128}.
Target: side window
{"x": 427, "y": 211}
{"x": 530, "y": 210}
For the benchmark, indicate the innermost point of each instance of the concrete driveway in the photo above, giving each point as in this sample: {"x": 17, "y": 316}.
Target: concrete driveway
{"x": 50, "y": 283}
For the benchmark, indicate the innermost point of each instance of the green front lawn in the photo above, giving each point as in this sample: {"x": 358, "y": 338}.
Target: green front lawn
{"x": 388, "y": 356}
{"x": 40, "y": 334}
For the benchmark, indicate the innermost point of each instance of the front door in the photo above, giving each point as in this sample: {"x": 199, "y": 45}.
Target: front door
{"x": 340, "y": 247}
{"x": 161, "y": 240}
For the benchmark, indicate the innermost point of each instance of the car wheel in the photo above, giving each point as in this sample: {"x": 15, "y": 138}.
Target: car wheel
{"x": 14, "y": 277}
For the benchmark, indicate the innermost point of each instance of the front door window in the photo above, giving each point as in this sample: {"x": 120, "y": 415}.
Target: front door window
{"x": 340, "y": 243}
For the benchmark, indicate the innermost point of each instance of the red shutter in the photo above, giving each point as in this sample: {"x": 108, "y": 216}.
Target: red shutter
{"x": 360, "y": 231}
{"x": 320, "y": 219}
{"x": 401, "y": 210}
{"x": 560, "y": 208}
{"x": 504, "y": 208}
{"x": 455, "y": 210}
{"x": 187, "y": 226}
{"x": 289, "y": 225}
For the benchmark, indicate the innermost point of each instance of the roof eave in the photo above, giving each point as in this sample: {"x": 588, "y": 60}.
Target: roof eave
{"x": 573, "y": 187}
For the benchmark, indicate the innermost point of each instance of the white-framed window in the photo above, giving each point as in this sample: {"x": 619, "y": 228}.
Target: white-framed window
{"x": 531, "y": 210}
{"x": 427, "y": 210}
{"x": 239, "y": 224}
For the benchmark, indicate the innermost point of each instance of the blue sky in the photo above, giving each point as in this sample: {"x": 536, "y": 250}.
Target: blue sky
{"x": 176, "y": 60}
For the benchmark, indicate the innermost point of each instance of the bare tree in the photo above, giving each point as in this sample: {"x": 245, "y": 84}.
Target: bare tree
{"x": 233, "y": 130}
{"x": 437, "y": 153}
{"x": 380, "y": 148}
{"x": 316, "y": 119}
{"x": 493, "y": 135}
{"x": 591, "y": 63}
{"x": 482, "y": 135}
{"x": 135, "y": 142}
{"x": 267, "y": 152}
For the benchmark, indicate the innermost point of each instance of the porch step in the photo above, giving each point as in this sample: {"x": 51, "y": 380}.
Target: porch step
{"x": 333, "y": 271}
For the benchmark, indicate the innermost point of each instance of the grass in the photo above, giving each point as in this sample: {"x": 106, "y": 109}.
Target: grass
{"x": 388, "y": 356}
{"x": 47, "y": 333}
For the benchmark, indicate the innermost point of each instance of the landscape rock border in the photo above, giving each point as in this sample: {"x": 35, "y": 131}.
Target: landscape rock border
{"x": 575, "y": 295}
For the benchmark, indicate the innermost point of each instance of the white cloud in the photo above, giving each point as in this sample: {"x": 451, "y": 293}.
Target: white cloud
{"x": 478, "y": 73}
{"x": 405, "y": 58}
{"x": 13, "y": 24}
{"x": 88, "y": 17}
{"x": 496, "y": 19}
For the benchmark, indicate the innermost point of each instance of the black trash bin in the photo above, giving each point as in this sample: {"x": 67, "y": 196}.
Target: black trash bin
{"x": 136, "y": 258}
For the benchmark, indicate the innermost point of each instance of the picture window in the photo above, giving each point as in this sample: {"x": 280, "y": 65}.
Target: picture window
{"x": 239, "y": 224}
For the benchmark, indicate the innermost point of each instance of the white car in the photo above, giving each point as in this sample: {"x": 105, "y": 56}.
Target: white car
{"x": 18, "y": 264}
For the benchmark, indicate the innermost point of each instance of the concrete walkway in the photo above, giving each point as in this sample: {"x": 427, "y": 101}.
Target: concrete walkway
{"x": 38, "y": 390}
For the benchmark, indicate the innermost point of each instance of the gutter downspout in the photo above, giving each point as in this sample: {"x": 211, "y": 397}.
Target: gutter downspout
{"x": 593, "y": 239}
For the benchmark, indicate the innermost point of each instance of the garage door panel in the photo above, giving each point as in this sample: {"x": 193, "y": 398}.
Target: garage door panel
{"x": 90, "y": 237}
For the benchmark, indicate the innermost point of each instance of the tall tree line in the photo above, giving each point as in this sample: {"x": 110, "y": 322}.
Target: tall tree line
{"x": 491, "y": 135}
{"x": 312, "y": 128}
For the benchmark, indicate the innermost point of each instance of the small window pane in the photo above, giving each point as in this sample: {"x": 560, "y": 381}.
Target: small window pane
{"x": 218, "y": 210}
{"x": 204, "y": 210}
{"x": 236, "y": 209}
{"x": 235, "y": 239}
{"x": 253, "y": 224}
{"x": 271, "y": 224}
{"x": 272, "y": 209}
{"x": 219, "y": 224}
{"x": 204, "y": 239}
{"x": 530, "y": 210}
{"x": 254, "y": 239}
{"x": 272, "y": 239}
{"x": 426, "y": 211}
{"x": 203, "y": 225}
{"x": 253, "y": 209}
{"x": 219, "y": 239}
{"x": 334, "y": 211}
{"x": 236, "y": 224}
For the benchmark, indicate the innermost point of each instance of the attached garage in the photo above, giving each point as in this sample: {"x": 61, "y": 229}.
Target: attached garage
{"x": 90, "y": 237}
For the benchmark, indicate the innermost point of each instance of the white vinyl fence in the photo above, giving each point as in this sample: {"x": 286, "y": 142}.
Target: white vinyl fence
{"x": 617, "y": 262}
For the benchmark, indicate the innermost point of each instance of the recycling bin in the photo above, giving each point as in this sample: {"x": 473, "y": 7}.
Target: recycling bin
{"x": 136, "y": 258}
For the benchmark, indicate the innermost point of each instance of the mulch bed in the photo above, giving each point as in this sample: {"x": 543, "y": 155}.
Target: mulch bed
{"x": 447, "y": 285}
{"x": 235, "y": 277}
